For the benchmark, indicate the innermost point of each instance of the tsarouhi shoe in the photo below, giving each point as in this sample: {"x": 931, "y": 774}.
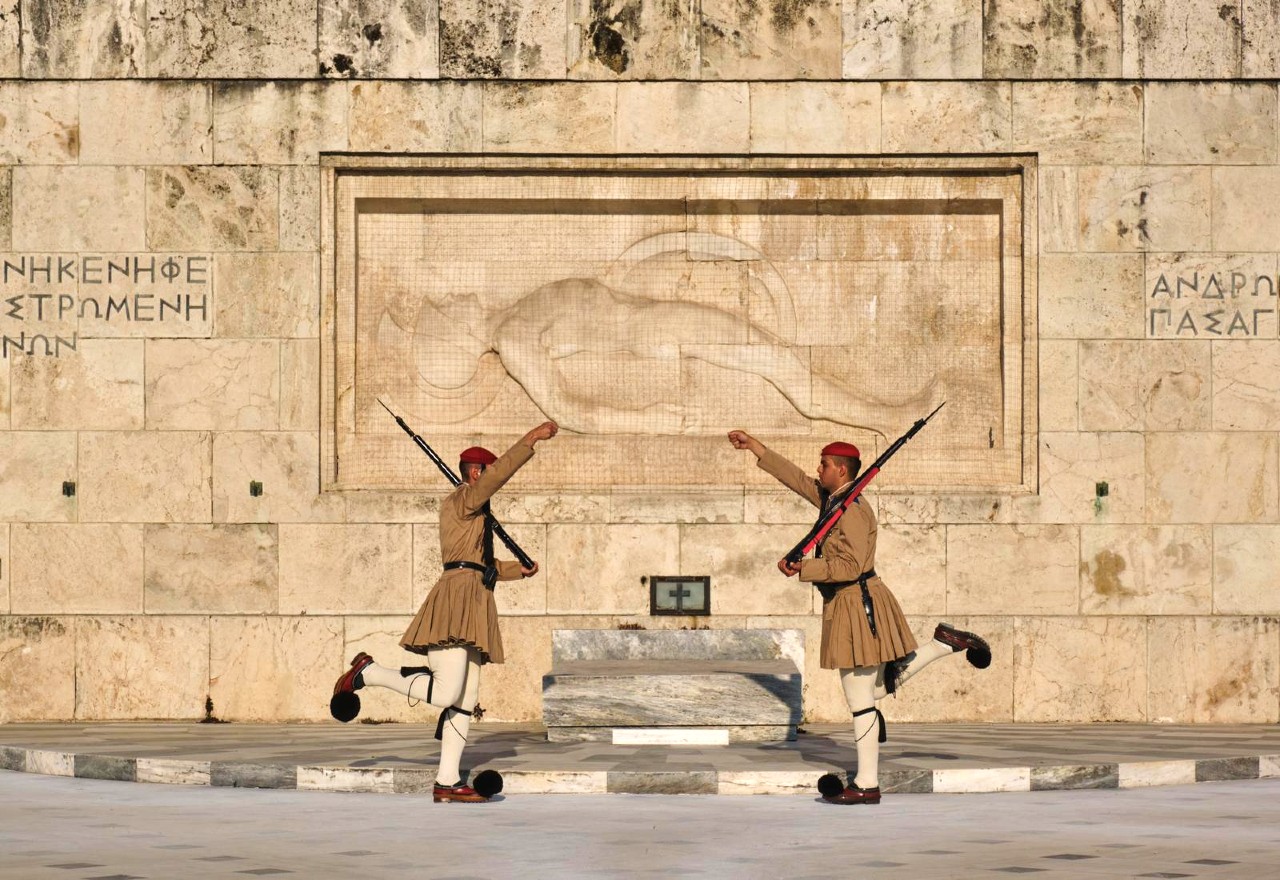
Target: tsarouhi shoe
{"x": 855, "y": 795}
{"x": 463, "y": 794}
{"x": 977, "y": 651}
{"x": 345, "y": 705}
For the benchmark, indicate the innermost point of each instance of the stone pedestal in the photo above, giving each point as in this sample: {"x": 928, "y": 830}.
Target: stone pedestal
{"x": 673, "y": 686}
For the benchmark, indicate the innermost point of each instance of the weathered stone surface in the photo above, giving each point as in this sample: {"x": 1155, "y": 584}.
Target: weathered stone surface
{"x": 1224, "y": 670}
{"x": 525, "y": 596}
{"x": 40, "y": 123}
{"x": 78, "y": 209}
{"x": 815, "y": 117}
{"x": 1261, "y": 56}
{"x": 912, "y": 559}
{"x": 1091, "y": 296}
{"x": 1019, "y": 569}
{"x": 6, "y": 562}
{"x": 1246, "y": 385}
{"x": 373, "y": 506}
{"x": 47, "y": 644}
{"x": 1073, "y": 468}
{"x": 211, "y": 39}
{"x": 272, "y": 668}
{"x": 278, "y": 123}
{"x": 213, "y": 384}
{"x": 912, "y": 39}
{"x": 508, "y": 39}
{"x": 645, "y": 111}
{"x": 621, "y": 39}
{"x": 1079, "y": 123}
{"x": 746, "y": 41}
{"x": 273, "y": 295}
{"x": 1059, "y": 39}
{"x": 1145, "y": 386}
{"x": 1212, "y": 477}
{"x": 1245, "y": 562}
{"x": 141, "y": 667}
{"x": 33, "y": 467}
{"x": 1059, "y": 385}
{"x": 1246, "y": 208}
{"x": 145, "y": 123}
{"x": 396, "y": 39}
{"x": 210, "y": 569}
{"x": 596, "y": 569}
{"x": 549, "y": 117}
{"x": 68, "y": 40}
{"x": 950, "y": 689}
{"x": 76, "y": 569}
{"x": 10, "y": 35}
{"x": 416, "y": 117}
{"x": 742, "y": 563}
{"x": 299, "y": 208}
{"x": 6, "y": 208}
{"x": 339, "y": 569}
{"x": 1080, "y": 669}
{"x": 98, "y": 387}
{"x": 145, "y": 476}
{"x": 1172, "y": 39}
{"x": 916, "y": 508}
{"x": 212, "y": 208}
{"x": 299, "y": 384}
{"x": 1211, "y": 123}
{"x": 1144, "y": 208}
{"x": 946, "y": 117}
{"x": 287, "y": 466}
{"x": 776, "y": 507}
{"x": 1059, "y": 210}
{"x": 1146, "y": 569}
{"x": 639, "y": 506}
{"x": 1211, "y": 296}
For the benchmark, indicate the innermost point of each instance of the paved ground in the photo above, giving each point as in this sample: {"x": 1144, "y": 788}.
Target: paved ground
{"x": 77, "y": 829}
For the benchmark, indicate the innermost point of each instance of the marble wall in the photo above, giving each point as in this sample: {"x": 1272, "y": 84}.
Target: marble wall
{"x": 160, "y": 324}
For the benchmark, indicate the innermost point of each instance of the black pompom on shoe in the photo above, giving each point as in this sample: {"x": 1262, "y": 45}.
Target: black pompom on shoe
{"x": 344, "y": 706}
{"x": 487, "y": 783}
{"x": 830, "y": 785}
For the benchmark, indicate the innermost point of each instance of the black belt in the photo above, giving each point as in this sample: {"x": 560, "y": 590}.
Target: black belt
{"x": 830, "y": 588}
{"x": 473, "y": 566}
{"x": 860, "y": 579}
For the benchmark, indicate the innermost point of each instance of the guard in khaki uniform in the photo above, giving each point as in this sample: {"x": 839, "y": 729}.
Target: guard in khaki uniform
{"x": 456, "y": 628}
{"x": 864, "y": 632}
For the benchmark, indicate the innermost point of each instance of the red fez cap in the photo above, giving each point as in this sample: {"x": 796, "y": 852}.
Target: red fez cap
{"x": 846, "y": 450}
{"x": 477, "y": 455}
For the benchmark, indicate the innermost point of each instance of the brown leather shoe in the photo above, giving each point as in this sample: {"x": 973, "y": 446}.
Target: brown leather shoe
{"x": 977, "y": 651}
{"x": 855, "y": 795}
{"x": 463, "y": 794}
{"x": 351, "y": 680}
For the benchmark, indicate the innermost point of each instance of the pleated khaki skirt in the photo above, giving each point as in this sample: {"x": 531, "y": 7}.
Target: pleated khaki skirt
{"x": 458, "y": 611}
{"x": 846, "y": 636}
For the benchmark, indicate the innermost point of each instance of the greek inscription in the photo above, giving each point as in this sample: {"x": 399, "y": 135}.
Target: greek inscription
{"x": 37, "y": 344}
{"x": 1220, "y": 304}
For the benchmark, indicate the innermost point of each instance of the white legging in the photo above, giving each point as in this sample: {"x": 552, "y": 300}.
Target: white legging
{"x": 456, "y": 684}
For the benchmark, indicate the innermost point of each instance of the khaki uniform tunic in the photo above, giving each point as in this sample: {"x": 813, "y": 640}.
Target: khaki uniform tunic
{"x": 459, "y": 610}
{"x": 848, "y": 550}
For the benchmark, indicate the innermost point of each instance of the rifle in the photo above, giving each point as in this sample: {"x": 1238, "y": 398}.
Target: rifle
{"x": 824, "y": 525}
{"x": 499, "y": 532}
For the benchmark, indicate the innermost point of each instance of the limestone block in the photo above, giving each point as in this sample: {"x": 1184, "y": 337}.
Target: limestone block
{"x": 46, "y": 644}
{"x": 41, "y": 123}
{"x": 211, "y": 569}
{"x": 1246, "y": 208}
{"x": 912, "y": 559}
{"x": 1211, "y": 123}
{"x": 166, "y": 295}
{"x": 76, "y": 569}
{"x": 638, "y": 506}
{"x": 212, "y": 208}
{"x": 1059, "y": 385}
{"x": 1261, "y": 55}
{"x": 1245, "y": 562}
{"x": 145, "y": 476}
{"x": 339, "y": 569}
{"x": 6, "y": 562}
{"x": 1012, "y": 569}
{"x": 829, "y": 117}
{"x": 374, "y": 506}
{"x": 526, "y": 596}
{"x": 1091, "y": 296}
{"x": 917, "y": 509}
{"x": 1080, "y": 669}
{"x": 68, "y": 40}
{"x": 278, "y": 123}
{"x": 271, "y": 295}
{"x": 78, "y": 209}
{"x": 742, "y": 563}
{"x": 788, "y": 41}
{"x": 33, "y": 467}
{"x": 299, "y": 208}
{"x": 946, "y": 117}
{"x": 211, "y": 39}
{"x": 6, "y": 209}
{"x": 10, "y": 35}
{"x": 1060, "y": 39}
{"x": 503, "y": 40}
{"x": 380, "y": 638}
{"x": 1219, "y": 670}
{"x": 549, "y": 117}
{"x": 416, "y": 117}
{"x": 1211, "y": 296}
{"x": 617, "y": 39}
{"x": 299, "y": 384}
{"x": 645, "y": 111}
{"x": 287, "y": 466}
{"x": 1145, "y": 386}
{"x": 1059, "y": 211}
{"x": 98, "y": 387}
{"x": 526, "y": 507}
{"x": 778, "y": 507}
{"x": 141, "y": 667}
{"x": 274, "y": 668}
{"x": 145, "y": 123}
{"x": 213, "y": 384}
{"x": 1211, "y": 477}
{"x": 1079, "y": 123}
{"x": 1172, "y": 39}
{"x": 912, "y": 39}
{"x": 949, "y": 689}
{"x": 374, "y": 39}
{"x": 1246, "y": 385}
{"x": 1144, "y": 208}
{"x": 596, "y": 569}
{"x": 1072, "y": 468}
{"x": 1146, "y": 569}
